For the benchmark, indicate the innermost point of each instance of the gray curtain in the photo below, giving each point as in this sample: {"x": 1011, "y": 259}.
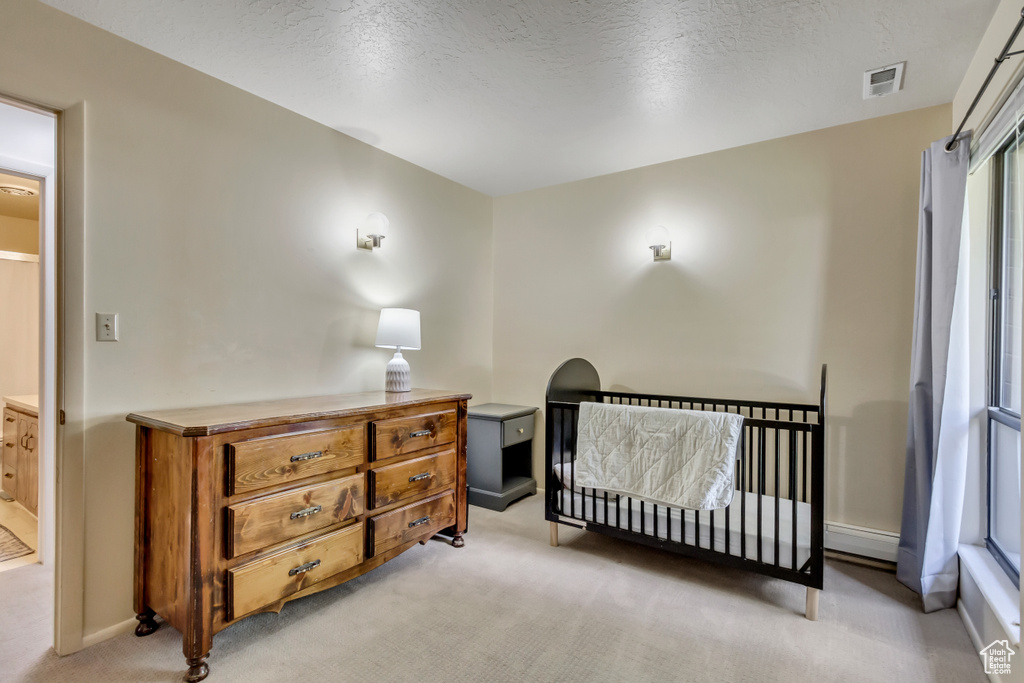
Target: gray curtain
{"x": 937, "y": 422}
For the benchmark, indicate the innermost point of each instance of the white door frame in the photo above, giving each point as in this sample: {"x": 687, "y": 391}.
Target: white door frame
{"x": 61, "y": 265}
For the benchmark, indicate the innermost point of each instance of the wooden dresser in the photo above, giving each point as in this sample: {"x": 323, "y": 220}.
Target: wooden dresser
{"x": 242, "y": 508}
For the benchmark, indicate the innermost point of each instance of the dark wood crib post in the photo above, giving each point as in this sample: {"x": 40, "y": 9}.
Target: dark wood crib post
{"x": 818, "y": 507}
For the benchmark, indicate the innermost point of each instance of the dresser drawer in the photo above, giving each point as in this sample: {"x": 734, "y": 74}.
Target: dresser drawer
{"x": 516, "y": 431}
{"x": 263, "y": 582}
{"x": 401, "y": 435}
{"x": 10, "y": 452}
{"x": 273, "y": 460}
{"x": 10, "y": 437}
{"x": 392, "y": 483}
{"x": 419, "y": 520}
{"x": 268, "y": 521}
{"x": 10, "y": 480}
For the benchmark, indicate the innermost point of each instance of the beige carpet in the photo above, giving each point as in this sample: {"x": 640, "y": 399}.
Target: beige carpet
{"x": 508, "y": 607}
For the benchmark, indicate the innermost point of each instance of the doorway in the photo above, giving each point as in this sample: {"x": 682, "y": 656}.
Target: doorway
{"x": 28, "y": 353}
{"x": 21, "y": 214}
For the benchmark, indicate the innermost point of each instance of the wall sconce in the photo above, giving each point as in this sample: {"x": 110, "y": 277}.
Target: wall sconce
{"x": 374, "y": 229}
{"x": 657, "y": 238}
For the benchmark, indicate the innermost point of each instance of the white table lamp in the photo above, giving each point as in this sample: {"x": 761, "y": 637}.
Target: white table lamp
{"x": 399, "y": 328}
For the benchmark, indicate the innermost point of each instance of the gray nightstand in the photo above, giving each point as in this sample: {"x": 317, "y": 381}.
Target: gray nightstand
{"x": 499, "y": 459}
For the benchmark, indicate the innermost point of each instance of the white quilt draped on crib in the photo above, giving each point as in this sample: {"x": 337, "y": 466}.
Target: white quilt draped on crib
{"x": 679, "y": 458}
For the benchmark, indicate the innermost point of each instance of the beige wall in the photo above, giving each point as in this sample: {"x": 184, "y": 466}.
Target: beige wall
{"x": 1006, "y": 16}
{"x": 221, "y": 228}
{"x": 19, "y": 328}
{"x": 786, "y": 254}
{"x": 19, "y": 234}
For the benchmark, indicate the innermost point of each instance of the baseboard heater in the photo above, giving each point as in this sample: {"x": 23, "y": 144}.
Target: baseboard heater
{"x": 858, "y": 540}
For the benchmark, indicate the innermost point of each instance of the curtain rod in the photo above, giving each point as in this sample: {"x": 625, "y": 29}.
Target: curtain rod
{"x": 1003, "y": 56}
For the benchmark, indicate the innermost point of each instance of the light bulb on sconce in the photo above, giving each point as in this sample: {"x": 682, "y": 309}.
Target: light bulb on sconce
{"x": 374, "y": 229}
{"x": 658, "y": 241}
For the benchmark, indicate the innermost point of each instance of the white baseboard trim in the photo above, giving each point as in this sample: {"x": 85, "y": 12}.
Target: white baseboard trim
{"x": 126, "y": 626}
{"x": 858, "y": 540}
{"x": 972, "y": 631}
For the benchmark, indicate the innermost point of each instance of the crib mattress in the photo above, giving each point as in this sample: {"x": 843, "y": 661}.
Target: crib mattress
{"x": 675, "y": 524}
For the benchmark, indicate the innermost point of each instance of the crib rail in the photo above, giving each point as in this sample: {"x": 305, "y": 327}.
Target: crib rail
{"x": 775, "y": 524}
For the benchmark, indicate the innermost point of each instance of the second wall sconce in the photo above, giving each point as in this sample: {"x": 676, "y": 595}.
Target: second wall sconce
{"x": 657, "y": 239}
{"x": 373, "y": 230}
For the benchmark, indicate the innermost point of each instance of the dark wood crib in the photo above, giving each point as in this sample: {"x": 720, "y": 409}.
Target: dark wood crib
{"x": 775, "y": 524}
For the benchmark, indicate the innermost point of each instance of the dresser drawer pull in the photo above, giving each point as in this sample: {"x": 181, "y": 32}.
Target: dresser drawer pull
{"x": 308, "y": 456}
{"x": 519, "y": 431}
{"x": 422, "y": 432}
{"x": 9, "y": 444}
{"x": 418, "y": 522}
{"x": 307, "y": 512}
{"x": 303, "y": 568}
{"x": 419, "y": 477}
{"x": 9, "y": 475}
{"x": 9, "y": 419}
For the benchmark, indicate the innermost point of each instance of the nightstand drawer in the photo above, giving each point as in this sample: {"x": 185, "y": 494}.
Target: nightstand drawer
{"x": 516, "y": 431}
{"x": 402, "y": 435}
{"x": 264, "y": 582}
{"x": 279, "y": 459}
{"x": 268, "y": 521}
{"x": 392, "y": 483}
{"x": 416, "y": 521}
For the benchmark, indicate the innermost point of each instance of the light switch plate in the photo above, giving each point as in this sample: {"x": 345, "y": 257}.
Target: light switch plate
{"x": 106, "y": 327}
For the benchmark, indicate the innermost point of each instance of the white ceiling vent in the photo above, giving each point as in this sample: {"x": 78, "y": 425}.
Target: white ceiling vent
{"x": 884, "y": 81}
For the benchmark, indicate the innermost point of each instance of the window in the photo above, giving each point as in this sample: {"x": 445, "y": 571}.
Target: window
{"x": 1005, "y": 357}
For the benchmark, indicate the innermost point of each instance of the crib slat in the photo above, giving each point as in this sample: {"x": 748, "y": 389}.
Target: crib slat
{"x": 656, "y": 520}
{"x": 572, "y": 468}
{"x": 747, "y": 440}
{"x": 760, "y": 490}
{"x": 803, "y": 495}
{"x": 561, "y": 456}
{"x": 728, "y": 514}
{"x": 642, "y": 518}
{"x": 778, "y": 495}
{"x": 682, "y": 526}
{"x": 792, "y": 495}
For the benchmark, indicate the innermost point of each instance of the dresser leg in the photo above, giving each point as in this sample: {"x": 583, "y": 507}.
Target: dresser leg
{"x": 457, "y": 540}
{"x": 197, "y": 668}
{"x": 147, "y": 624}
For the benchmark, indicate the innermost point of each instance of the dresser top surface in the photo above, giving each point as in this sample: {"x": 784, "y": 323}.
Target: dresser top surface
{"x": 205, "y": 421}
{"x": 28, "y": 403}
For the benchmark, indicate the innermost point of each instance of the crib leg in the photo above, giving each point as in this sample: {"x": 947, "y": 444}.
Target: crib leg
{"x": 811, "y": 611}
{"x": 554, "y": 534}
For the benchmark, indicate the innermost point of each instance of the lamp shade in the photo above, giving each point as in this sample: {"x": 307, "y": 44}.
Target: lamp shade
{"x": 399, "y": 327}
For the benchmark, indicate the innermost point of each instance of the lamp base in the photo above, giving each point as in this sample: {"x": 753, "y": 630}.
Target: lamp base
{"x": 398, "y": 377}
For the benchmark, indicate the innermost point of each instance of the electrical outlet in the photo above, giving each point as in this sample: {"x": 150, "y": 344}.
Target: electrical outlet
{"x": 106, "y": 327}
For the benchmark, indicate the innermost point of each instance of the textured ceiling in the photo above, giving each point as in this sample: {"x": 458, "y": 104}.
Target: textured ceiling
{"x": 505, "y": 95}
